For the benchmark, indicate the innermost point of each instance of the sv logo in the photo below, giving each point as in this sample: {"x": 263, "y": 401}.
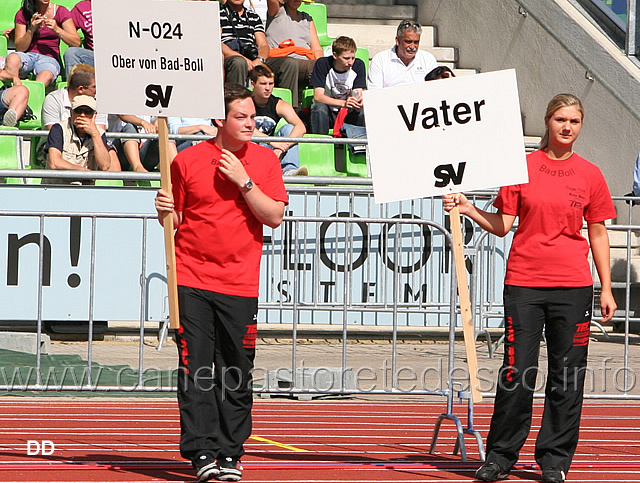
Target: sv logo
{"x": 155, "y": 95}
{"x": 446, "y": 173}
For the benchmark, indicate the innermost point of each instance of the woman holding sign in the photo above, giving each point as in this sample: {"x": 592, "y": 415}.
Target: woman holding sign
{"x": 548, "y": 286}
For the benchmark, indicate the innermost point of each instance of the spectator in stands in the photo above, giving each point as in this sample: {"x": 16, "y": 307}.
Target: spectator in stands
{"x": 13, "y": 103}
{"x": 190, "y": 125}
{"x": 57, "y": 104}
{"x": 141, "y": 155}
{"x": 338, "y": 81}
{"x": 56, "y": 108}
{"x": 440, "y": 72}
{"x": 294, "y": 45}
{"x": 224, "y": 191}
{"x": 83, "y": 20}
{"x": 404, "y": 63}
{"x": 39, "y": 27}
{"x": 269, "y": 110}
{"x": 244, "y": 44}
{"x": 548, "y": 290}
{"x": 77, "y": 143}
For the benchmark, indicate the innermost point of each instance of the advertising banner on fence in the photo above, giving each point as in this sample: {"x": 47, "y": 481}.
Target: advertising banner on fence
{"x": 445, "y": 136}
{"x": 158, "y": 58}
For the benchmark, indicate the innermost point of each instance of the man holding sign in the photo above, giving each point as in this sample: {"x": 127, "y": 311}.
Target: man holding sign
{"x": 224, "y": 191}
{"x": 548, "y": 286}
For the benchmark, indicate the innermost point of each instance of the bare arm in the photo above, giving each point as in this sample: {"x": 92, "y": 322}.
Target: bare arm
{"x": 599, "y": 241}
{"x": 268, "y": 211}
{"x": 315, "y": 42}
{"x": 495, "y": 223}
{"x": 273, "y": 6}
{"x": 57, "y": 162}
{"x": 263, "y": 46}
{"x": 286, "y": 110}
{"x": 67, "y": 32}
{"x": 24, "y": 33}
{"x": 136, "y": 121}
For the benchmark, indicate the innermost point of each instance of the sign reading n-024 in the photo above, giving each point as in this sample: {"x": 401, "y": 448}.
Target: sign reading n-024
{"x": 158, "y": 58}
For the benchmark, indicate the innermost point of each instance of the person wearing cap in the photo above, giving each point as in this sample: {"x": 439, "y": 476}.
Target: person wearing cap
{"x": 404, "y": 63}
{"x": 77, "y": 143}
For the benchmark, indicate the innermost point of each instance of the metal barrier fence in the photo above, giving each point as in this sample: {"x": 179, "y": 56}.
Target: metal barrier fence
{"x": 338, "y": 259}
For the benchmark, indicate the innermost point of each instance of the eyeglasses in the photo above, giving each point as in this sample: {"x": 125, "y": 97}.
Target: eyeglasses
{"x": 87, "y": 111}
{"x": 409, "y": 24}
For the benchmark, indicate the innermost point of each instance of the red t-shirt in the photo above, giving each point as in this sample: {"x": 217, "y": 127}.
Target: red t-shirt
{"x": 219, "y": 242}
{"x": 548, "y": 249}
{"x": 45, "y": 41}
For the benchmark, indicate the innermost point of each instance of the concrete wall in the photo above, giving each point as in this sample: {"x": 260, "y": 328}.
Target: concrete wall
{"x": 493, "y": 35}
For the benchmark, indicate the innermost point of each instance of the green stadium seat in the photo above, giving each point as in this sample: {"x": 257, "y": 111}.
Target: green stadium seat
{"x": 3, "y": 46}
{"x": 36, "y": 99}
{"x": 68, "y": 4}
{"x": 355, "y": 165}
{"x": 307, "y": 97}
{"x": 284, "y": 94}
{"x": 9, "y": 154}
{"x": 8, "y": 13}
{"x": 109, "y": 182}
{"x": 147, "y": 183}
{"x": 318, "y": 12}
{"x": 362, "y": 53}
{"x": 319, "y": 158}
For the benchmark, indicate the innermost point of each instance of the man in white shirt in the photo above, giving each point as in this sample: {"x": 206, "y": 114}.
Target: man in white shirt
{"x": 403, "y": 64}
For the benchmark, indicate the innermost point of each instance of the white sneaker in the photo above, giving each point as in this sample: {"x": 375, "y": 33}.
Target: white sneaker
{"x": 10, "y": 118}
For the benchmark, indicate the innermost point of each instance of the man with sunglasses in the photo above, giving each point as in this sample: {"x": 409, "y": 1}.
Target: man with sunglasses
{"x": 404, "y": 63}
{"x": 77, "y": 143}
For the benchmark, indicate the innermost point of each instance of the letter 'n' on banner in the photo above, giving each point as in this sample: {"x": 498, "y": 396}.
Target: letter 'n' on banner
{"x": 154, "y": 58}
{"x": 447, "y": 136}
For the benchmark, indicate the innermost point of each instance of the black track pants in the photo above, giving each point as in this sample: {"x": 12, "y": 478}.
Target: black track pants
{"x": 564, "y": 314}
{"x": 216, "y": 331}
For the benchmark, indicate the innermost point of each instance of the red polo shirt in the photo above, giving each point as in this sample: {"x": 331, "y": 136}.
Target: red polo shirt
{"x": 219, "y": 242}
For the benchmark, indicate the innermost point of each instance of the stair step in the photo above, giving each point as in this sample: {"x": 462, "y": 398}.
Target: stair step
{"x": 379, "y": 35}
{"x": 377, "y": 12}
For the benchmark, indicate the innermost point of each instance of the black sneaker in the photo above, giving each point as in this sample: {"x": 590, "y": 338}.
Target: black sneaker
{"x": 206, "y": 467}
{"x": 553, "y": 475}
{"x": 491, "y": 472}
{"x": 230, "y": 469}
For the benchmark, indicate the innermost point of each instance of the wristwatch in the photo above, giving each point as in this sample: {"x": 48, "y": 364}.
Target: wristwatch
{"x": 247, "y": 185}
{"x": 261, "y": 60}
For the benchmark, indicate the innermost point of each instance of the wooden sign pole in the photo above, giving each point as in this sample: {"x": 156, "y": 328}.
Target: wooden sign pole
{"x": 169, "y": 240}
{"x": 465, "y": 304}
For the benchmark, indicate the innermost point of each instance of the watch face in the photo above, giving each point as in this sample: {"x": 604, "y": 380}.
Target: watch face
{"x": 249, "y": 184}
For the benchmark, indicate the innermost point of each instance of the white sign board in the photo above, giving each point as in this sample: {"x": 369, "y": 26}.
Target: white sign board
{"x": 158, "y": 58}
{"x": 445, "y": 136}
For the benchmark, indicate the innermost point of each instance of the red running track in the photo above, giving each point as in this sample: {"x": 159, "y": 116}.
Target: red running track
{"x": 293, "y": 441}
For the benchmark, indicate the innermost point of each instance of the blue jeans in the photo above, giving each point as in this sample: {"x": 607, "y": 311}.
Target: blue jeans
{"x": 291, "y": 159}
{"x": 77, "y": 55}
